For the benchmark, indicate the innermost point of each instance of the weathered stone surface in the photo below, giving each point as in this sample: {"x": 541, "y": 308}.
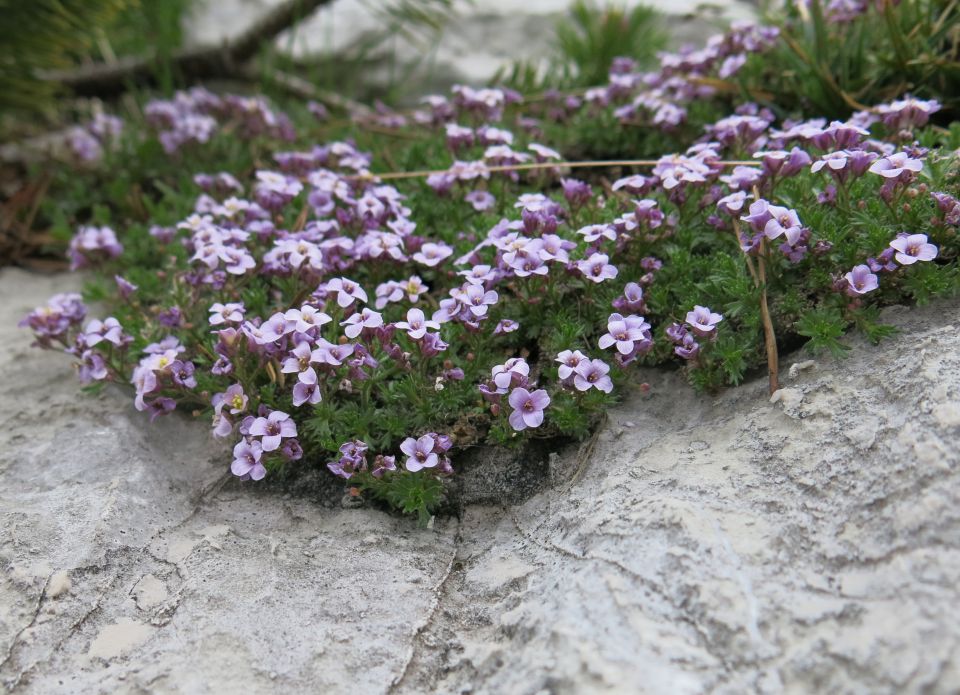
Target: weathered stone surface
{"x": 480, "y": 38}
{"x": 724, "y": 544}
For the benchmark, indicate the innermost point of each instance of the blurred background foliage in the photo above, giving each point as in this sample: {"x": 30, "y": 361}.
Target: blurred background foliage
{"x": 586, "y": 40}
{"x": 830, "y": 68}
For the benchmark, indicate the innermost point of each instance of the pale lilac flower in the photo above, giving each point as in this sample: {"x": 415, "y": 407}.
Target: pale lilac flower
{"x": 687, "y": 347}
{"x": 505, "y": 326}
{"x": 247, "y": 462}
{"x": 124, "y": 286}
{"x": 597, "y": 268}
{"x": 783, "y": 222}
{"x": 782, "y": 163}
{"x": 595, "y": 232}
{"x": 569, "y": 360}
{"x": 543, "y": 153}
{"x": 109, "y": 330}
{"x": 860, "y": 280}
{"x": 331, "y": 354}
{"x": 513, "y": 372}
{"x": 703, "y": 321}
{"x": 420, "y": 453}
{"x": 232, "y": 312}
{"x": 347, "y": 291}
{"x": 306, "y": 318}
{"x": 759, "y": 215}
{"x": 631, "y": 301}
{"x": 476, "y": 299}
{"x": 306, "y": 390}
{"x": 592, "y": 374}
{"x": 733, "y": 203}
{"x": 274, "y": 328}
{"x": 233, "y": 399}
{"x": 431, "y": 254}
{"x": 479, "y": 274}
{"x": 52, "y": 321}
{"x": 366, "y": 319}
{"x": 182, "y": 374}
{"x": 527, "y": 408}
{"x": 92, "y": 244}
{"x": 431, "y": 345}
{"x": 298, "y": 359}
{"x": 576, "y": 192}
{"x": 907, "y": 113}
{"x": 911, "y": 248}
{"x": 272, "y": 429}
{"x": 480, "y": 200}
{"x": 382, "y": 464}
{"x": 624, "y": 332}
{"x": 898, "y": 166}
{"x": 416, "y": 324}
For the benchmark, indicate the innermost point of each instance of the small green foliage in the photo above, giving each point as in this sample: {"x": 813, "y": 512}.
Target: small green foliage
{"x": 824, "y": 327}
{"x": 417, "y": 494}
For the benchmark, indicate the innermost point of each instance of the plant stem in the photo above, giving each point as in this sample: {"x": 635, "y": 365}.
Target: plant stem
{"x": 769, "y": 338}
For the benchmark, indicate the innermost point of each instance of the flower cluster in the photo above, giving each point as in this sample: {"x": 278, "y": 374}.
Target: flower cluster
{"x": 315, "y": 312}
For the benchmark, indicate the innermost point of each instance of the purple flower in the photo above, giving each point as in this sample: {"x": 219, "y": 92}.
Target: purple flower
{"x": 306, "y": 390}
{"x": 911, "y": 248}
{"x": 420, "y": 453}
{"x": 782, "y": 163}
{"x": 733, "y": 203}
{"x": 597, "y": 268}
{"x": 109, "y": 330}
{"x": 382, "y": 464}
{"x": 431, "y": 345}
{"x": 783, "y": 222}
{"x": 476, "y": 299}
{"x": 182, "y": 374}
{"x": 900, "y": 167}
{"x": 233, "y": 398}
{"x": 306, "y": 319}
{"x": 92, "y": 367}
{"x": 703, "y": 321}
{"x": 52, "y": 321}
{"x": 569, "y": 360}
{"x": 527, "y": 408}
{"x": 480, "y": 200}
{"x": 416, "y": 324}
{"x": 632, "y": 299}
{"x": 505, "y": 326}
{"x": 247, "y": 463}
{"x": 171, "y": 318}
{"x": 576, "y": 192}
{"x": 595, "y": 232}
{"x": 592, "y": 374}
{"x": 431, "y": 254}
{"x": 367, "y": 319}
{"x": 513, "y": 372}
{"x": 124, "y": 286}
{"x": 759, "y": 215}
{"x": 860, "y": 280}
{"x": 272, "y": 429}
{"x": 347, "y": 291}
{"x": 687, "y": 347}
{"x": 93, "y": 244}
{"x": 624, "y": 332}
{"x": 907, "y": 113}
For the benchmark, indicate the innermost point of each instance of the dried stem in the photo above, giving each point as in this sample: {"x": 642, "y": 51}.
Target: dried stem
{"x": 769, "y": 338}
{"x": 528, "y": 166}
